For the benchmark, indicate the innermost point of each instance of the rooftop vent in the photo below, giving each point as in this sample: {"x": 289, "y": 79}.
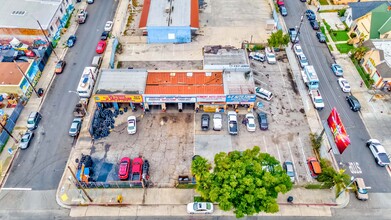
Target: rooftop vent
{"x": 172, "y": 74}
{"x": 189, "y": 74}
{"x": 19, "y": 13}
{"x": 208, "y": 74}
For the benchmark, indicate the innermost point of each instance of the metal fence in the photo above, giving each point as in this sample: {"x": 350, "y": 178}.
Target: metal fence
{"x": 11, "y": 121}
{"x": 112, "y": 184}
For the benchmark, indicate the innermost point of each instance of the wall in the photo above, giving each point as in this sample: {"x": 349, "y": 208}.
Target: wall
{"x": 345, "y": 2}
{"x": 386, "y": 35}
{"x": 364, "y": 26}
{"x": 169, "y": 35}
{"x": 349, "y": 18}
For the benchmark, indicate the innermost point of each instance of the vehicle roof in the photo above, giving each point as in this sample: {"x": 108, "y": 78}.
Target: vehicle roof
{"x": 360, "y": 182}
{"x": 137, "y": 164}
{"x": 132, "y": 117}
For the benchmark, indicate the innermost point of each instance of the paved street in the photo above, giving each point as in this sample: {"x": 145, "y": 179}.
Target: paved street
{"x": 41, "y": 166}
{"x": 319, "y": 56}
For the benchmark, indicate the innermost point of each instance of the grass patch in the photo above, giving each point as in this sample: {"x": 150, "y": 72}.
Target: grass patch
{"x": 323, "y": 30}
{"x": 326, "y": 11}
{"x": 361, "y": 71}
{"x": 339, "y": 35}
{"x": 186, "y": 186}
{"x": 330, "y": 48}
{"x": 328, "y": 28}
{"x": 323, "y": 2}
{"x": 197, "y": 199}
{"x": 316, "y": 186}
{"x": 344, "y": 48}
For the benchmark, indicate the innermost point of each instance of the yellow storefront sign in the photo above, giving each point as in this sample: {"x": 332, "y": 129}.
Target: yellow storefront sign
{"x": 118, "y": 98}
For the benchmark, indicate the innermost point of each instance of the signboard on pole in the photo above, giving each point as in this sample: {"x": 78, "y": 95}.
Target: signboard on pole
{"x": 341, "y": 138}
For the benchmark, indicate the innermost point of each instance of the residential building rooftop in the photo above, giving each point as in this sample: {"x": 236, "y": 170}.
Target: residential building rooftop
{"x": 360, "y": 9}
{"x": 9, "y": 73}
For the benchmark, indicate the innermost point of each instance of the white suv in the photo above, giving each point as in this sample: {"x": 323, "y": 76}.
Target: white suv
{"x": 270, "y": 56}
{"x": 257, "y": 56}
{"x": 378, "y": 151}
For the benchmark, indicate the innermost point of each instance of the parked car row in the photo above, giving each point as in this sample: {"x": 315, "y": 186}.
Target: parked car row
{"x": 269, "y": 56}
{"x": 136, "y": 168}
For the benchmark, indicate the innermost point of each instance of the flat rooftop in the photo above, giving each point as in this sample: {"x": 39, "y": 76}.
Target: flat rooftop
{"x": 123, "y": 81}
{"x": 218, "y": 55}
{"x": 175, "y": 13}
{"x": 184, "y": 82}
{"x": 9, "y": 73}
{"x": 237, "y": 83}
{"x": 24, "y": 13}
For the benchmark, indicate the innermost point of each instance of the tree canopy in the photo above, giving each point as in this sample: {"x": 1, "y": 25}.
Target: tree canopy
{"x": 278, "y": 39}
{"x": 247, "y": 182}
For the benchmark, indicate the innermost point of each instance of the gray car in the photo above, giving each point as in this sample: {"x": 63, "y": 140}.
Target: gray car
{"x": 290, "y": 171}
{"x": 26, "y": 140}
{"x": 75, "y": 127}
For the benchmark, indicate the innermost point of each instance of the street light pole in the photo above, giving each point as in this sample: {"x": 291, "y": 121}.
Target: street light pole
{"x": 343, "y": 190}
{"x": 50, "y": 43}
{"x": 298, "y": 30}
{"x": 28, "y": 80}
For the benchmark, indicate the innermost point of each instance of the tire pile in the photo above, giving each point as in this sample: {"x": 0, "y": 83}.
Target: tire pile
{"x": 103, "y": 122}
{"x": 86, "y": 159}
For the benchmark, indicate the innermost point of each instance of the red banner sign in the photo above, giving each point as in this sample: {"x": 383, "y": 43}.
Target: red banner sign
{"x": 341, "y": 138}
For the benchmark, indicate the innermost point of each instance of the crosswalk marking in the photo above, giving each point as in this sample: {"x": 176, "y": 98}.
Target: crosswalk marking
{"x": 354, "y": 168}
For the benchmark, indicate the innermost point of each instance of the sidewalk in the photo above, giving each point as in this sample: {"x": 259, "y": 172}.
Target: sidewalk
{"x": 35, "y": 103}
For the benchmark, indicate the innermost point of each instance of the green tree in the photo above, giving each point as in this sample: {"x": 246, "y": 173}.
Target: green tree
{"x": 278, "y": 39}
{"x": 340, "y": 180}
{"x": 331, "y": 177}
{"x": 247, "y": 182}
{"x": 359, "y": 52}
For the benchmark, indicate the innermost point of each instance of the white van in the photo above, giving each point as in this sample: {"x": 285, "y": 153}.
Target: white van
{"x": 96, "y": 61}
{"x": 263, "y": 93}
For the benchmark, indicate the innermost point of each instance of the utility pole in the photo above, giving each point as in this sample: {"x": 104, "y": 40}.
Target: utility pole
{"x": 28, "y": 80}
{"x": 9, "y": 133}
{"x": 82, "y": 188}
{"x": 298, "y": 30}
{"x": 50, "y": 43}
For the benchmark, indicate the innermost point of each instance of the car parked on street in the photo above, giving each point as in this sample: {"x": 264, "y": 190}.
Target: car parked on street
{"x": 353, "y": 103}
{"x": 280, "y": 3}
{"x": 283, "y": 11}
{"x": 75, "y": 127}
{"x": 33, "y": 120}
{"x": 262, "y": 119}
{"x": 263, "y": 93}
{"x": 104, "y": 35}
{"x": 344, "y": 84}
{"x": 360, "y": 189}
{"x": 71, "y": 41}
{"x": 314, "y": 166}
{"x": 302, "y": 60}
{"x": 124, "y": 168}
{"x": 217, "y": 121}
{"x": 298, "y": 50}
{"x": 132, "y": 125}
{"x": 60, "y": 66}
{"x": 205, "y": 118}
{"x": 200, "y": 208}
{"x": 109, "y": 26}
{"x": 321, "y": 37}
{"x": 378, "y": 151}
{"x": 100, "y": 48}
{"x": 337, "y": 69}
{"x": 310, "y": 15}
{"x": 90, "y": 1}
{"x": 289, "y": 169}
{"x": 250, "y": 119}
{"x": 26, "y": 140}
{"x": 257, "y": 56}
{"x": 314, "y": 24}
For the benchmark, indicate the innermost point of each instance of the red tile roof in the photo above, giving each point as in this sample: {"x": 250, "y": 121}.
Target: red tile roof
{"x": 9, "y": 73}
{"x": 144, "y": 14}
{"x": 194, "y": 17}
{"x": 179, "y": 83}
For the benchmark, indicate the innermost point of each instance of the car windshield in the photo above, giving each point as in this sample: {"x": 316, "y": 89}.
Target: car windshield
{"x": 30, "y": 121}
{"x": 58, "y": 65}
{"x": 251, "y": 125}
{"x": 319, "y": 100}
{"x": 362, "y": 191}
{"x": 72, "y": 129}
{"x": 131, "y": 125}
{"x": 270, "y": 55}
{"x": 25, "y": 138}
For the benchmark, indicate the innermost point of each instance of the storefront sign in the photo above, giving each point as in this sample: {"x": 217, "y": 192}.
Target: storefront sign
{"x": 211, "y": 98}
{"x": 118, "y": 98}
{"x": 170, "y": 99}
{"x": 240, "y": 99}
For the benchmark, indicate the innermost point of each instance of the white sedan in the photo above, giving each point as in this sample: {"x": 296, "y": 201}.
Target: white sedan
{"x": 344, "y": 84}
{"x": 250, "y": 119}
{"x": 132, "y": 128}
{"x": 108, "y": 26}
{"x": 298, "y": 50}
{"x": 200, "y": 208}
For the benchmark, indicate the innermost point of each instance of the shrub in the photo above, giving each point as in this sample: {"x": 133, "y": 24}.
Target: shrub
{"x": 353, "y": 35}
{"x": 341, "y": 12}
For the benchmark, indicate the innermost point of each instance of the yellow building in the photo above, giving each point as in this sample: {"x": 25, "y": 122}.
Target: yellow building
{"x": 11, "y": 79}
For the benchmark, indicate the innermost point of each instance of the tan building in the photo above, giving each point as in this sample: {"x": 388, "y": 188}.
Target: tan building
{"x": 369, "y": 20}
{"x": 11, "y": 80}
{"x": 377, "y": 63}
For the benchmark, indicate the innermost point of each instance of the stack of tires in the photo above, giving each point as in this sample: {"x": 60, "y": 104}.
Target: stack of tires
{"x": 102, "y": 123}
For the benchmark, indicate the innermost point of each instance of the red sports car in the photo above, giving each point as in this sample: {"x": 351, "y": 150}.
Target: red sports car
{"x": 280, "y": 2}
{"x": 124, "y": 168}
{"x": 100, "y": 48}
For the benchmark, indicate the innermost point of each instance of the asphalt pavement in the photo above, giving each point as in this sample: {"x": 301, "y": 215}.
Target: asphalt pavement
{"x": 36, "y": 172}
{"x": 320, "y": 57}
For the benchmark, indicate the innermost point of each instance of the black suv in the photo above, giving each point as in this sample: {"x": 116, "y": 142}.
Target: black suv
{"x": 262, "y": 119}
{"x": 205, "y": 118}
{"x": 353, "y": 103}
{"x": 104, "y": 35}
{"x": 314, "y": 24}
{"x": 321, "y": 37}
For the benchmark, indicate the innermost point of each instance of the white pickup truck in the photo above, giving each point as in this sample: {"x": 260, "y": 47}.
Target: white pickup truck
{"x": 316, "y": 99}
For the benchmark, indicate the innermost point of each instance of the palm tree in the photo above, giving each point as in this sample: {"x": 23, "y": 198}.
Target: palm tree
{"x": 340, "y": 180}
{"x": 199, "y": 167}
{"x": 359, "y": 52}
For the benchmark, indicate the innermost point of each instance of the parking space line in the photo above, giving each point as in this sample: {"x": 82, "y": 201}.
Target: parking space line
{"x": 278, "y": 152}
{"x": 264, "y": 141}
{"x": 305, "y": 162}
{"x": 293, "y": 161}
{"x": 286, "y": 91}
{"x": 194, "y": 134}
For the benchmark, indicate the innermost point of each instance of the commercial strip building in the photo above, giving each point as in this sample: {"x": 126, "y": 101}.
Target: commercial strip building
{"x": 225, "y": 58}
{"x": 208, "y": 91}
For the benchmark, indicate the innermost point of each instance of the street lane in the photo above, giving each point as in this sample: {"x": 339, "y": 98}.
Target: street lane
{"x": 41, "y": 166}
{"x": 357, "y": 158}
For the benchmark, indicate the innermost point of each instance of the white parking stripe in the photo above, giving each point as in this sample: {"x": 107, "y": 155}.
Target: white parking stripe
{"x": 309, "y": 179}
{"x": 293, "y": 161}
{"x": 17, "y": 189}
{"x": 278, "y": 152}
{"x": 264, "y": 143}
